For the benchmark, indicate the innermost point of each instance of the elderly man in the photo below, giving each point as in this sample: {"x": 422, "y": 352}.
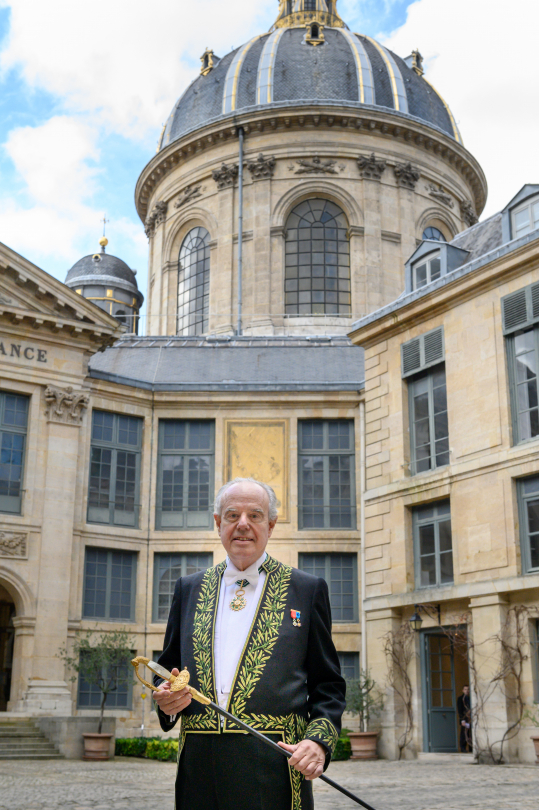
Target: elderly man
{"x": 256, "y": 637}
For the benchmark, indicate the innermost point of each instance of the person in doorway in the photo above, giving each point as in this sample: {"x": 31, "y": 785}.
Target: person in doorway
{"x": 464, "y": 709}
{"x": 255, "y": 636}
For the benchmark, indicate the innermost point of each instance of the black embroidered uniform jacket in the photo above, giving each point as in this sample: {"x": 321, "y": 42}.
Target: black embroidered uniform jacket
{"x": 288, "y": 678}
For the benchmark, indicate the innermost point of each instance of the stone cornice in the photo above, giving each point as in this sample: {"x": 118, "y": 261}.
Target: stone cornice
{"x": 391, "y": 125}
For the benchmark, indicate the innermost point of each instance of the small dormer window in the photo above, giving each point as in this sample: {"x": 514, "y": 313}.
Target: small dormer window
{"x": 315, "y": 33}
{"x": 525, "y": 217}
{"x": 426, "y": 270}
{"x": 207, "y": 62}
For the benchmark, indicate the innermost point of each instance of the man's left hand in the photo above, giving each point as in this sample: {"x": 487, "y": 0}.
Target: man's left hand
{"x": 308, "y": 757}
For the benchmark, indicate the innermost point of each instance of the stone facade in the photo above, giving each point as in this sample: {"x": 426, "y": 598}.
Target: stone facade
{"x": 480, "y": 481}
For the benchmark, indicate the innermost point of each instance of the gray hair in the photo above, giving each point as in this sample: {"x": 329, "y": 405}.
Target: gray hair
{"x": 272, "y": 497}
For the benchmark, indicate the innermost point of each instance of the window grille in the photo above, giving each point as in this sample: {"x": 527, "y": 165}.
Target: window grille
{"x": 349, "y": 662}
{"x": 433, "y": 545}
{"x": 168, "y": 568}
{"x": 109, "y": 584}
{"x": 194, "y": 283}
{"x": 340, "y": 573}
{"x": 429, "y": 425}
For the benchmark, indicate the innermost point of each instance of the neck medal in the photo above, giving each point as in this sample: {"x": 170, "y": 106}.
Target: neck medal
{"x": 239, "y": 601}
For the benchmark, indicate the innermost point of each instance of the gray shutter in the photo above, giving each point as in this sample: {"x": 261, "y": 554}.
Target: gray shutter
{"x": 520, "y": 309}
{"x": 423, "y": 352}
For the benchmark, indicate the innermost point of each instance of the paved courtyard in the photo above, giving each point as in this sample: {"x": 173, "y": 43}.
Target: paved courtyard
{"x": 124, "y": 784}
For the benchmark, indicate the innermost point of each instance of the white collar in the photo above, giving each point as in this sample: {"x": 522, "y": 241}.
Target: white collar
{"x": 251, "y": 573}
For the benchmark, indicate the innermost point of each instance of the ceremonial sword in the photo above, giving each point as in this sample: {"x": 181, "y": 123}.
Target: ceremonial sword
{"x": 181, "y": 681}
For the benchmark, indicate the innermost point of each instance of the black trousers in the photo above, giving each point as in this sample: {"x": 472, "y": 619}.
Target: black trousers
{"x": 235, "y": 772}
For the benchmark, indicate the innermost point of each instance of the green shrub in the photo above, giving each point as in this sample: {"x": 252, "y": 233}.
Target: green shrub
{"x": 163, "y": 750}
{"x": 133, "y": 746}
{"x": 343, "y": 749}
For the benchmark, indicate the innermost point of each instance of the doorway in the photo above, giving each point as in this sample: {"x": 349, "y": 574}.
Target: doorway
{"x": 7, "y": 638}
{"x": 444, "y": 667}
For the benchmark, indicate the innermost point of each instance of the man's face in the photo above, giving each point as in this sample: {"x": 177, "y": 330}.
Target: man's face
{"x": 244, "y": 525}
{"x": 465, "y": 690}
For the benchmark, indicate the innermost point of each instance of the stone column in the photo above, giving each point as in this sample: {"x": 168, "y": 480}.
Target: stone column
{"x": 47, "y": 691}
{"x": 490, "y": 710}
{"x": 379, "y": 624}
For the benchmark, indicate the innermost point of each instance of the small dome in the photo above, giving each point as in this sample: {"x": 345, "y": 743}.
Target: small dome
{"x": 99, "y": 265}
{"x": 292, "y": 66}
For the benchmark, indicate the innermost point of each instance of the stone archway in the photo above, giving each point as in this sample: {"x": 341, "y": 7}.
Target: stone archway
{"x": 7, "y": 641}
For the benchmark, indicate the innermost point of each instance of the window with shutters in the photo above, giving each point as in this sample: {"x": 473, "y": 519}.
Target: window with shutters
{"x": 185, "y": 474}
{"x": 520, "y": 312}
{"x": 13, "y": 426}
{"x": 423, "y": 366}
{"x": 427, "y": 270}
{"x": 326, "y": 474}
{"x": 525, "y": 217}
{"x": 433, "y": 545}
{"x": 168, "y": 568}
{"x": 528, "y": 497}
{"x": 340, "y": 573}
{"x": 113, "y": 494}
{"x": 109, "y": 585}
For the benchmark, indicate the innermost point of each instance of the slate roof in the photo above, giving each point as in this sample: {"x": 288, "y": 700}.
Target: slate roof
{"x": 101, "y": 264}
{"x": 232, "y": 364}
{"x": 299, "y": 74}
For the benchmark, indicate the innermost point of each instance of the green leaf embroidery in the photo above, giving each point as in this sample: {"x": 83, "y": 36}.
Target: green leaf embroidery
{"x": 324, "y": 731}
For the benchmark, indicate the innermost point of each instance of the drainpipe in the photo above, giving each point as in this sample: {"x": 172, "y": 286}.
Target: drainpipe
{"x": 240, "y": 234}
{"x": 362, "y": 486}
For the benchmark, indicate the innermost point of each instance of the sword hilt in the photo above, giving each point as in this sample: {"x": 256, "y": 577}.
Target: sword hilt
{"x": 177, "y": 682}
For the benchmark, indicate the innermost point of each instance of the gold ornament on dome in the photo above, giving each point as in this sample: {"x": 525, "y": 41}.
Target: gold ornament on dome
{"x": 293, "y": 14}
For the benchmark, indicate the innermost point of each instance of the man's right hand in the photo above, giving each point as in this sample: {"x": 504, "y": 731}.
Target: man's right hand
{"x": 172, "y": 703}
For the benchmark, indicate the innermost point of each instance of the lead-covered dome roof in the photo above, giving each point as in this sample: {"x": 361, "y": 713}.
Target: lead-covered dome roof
{"x": 283, "y": 68}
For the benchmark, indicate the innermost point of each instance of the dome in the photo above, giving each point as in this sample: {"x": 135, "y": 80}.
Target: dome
{"x": 100, "y": 268}
{"x": 309, "y": 57}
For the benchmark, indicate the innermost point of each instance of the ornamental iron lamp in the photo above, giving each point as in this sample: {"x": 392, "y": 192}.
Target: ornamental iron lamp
{"x": 416, "y": 621}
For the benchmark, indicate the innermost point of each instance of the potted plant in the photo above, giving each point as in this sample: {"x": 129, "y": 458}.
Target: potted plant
{"x": 101, "y": 661}
{"x": 533, "y": 716}
{"x": 363, "y": 697}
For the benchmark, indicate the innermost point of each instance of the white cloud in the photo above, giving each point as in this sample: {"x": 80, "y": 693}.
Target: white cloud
{"x": 125, "y": 61}
{"x": 482, "y": 58}
{"x": 54, "y": 216}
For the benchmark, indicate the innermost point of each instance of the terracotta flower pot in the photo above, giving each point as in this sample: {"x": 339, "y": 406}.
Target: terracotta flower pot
{"x": 363, "y": 744}
{"x": 97, "y": 746}
{"x": 536, "y": 743}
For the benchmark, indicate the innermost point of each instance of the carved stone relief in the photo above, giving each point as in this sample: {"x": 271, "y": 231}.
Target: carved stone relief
{"x": 439, "y": 194}
{"x": 315, "y": 165}
{"x": 157, "y": 216}
{"x": 188, "y": 194}
{"x": 262, "y": 167}
{"x": 406, "y": 174}
{"x": 226, "y": 176}
{"x": 467, "y": 212}
{"x": 4, "y": 300}
{"x": 13, "y": 544}
{"x": 370, "y": 168}
{"x": 65, "y": 405}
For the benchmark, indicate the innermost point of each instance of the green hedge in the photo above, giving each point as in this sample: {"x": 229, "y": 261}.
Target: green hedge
{"x": 150, "y": 747}
{"x": 167, "y": 750}
{"x": 343, "y": 749}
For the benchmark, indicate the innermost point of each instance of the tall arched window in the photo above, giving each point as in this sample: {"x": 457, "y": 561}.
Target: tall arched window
{"x": 317, "y": 274}
{"x": 433, "y": 233}
{"x": 194, "y": 283}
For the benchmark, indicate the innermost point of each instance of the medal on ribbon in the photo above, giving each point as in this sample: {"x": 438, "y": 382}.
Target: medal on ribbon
{"x": 296, "y": 618}
{"x": 239, "y": 601}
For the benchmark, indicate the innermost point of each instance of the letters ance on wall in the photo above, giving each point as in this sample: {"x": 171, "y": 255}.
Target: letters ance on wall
{"x": 257, "y": 449}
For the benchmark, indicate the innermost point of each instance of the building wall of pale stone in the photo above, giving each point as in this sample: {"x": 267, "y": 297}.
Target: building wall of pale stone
{"x": 386, "y": 220}
{"x": 480, "y": 482}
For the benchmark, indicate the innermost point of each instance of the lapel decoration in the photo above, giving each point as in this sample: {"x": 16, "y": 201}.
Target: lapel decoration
{"x": 203, "y": 631}
{"x": 296, "y": 617}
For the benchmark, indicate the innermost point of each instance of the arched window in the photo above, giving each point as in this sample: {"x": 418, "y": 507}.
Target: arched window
{"x": 433, "y": 233}
{"x": 317, "y": 274}
{"x": 194, "y": 283}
